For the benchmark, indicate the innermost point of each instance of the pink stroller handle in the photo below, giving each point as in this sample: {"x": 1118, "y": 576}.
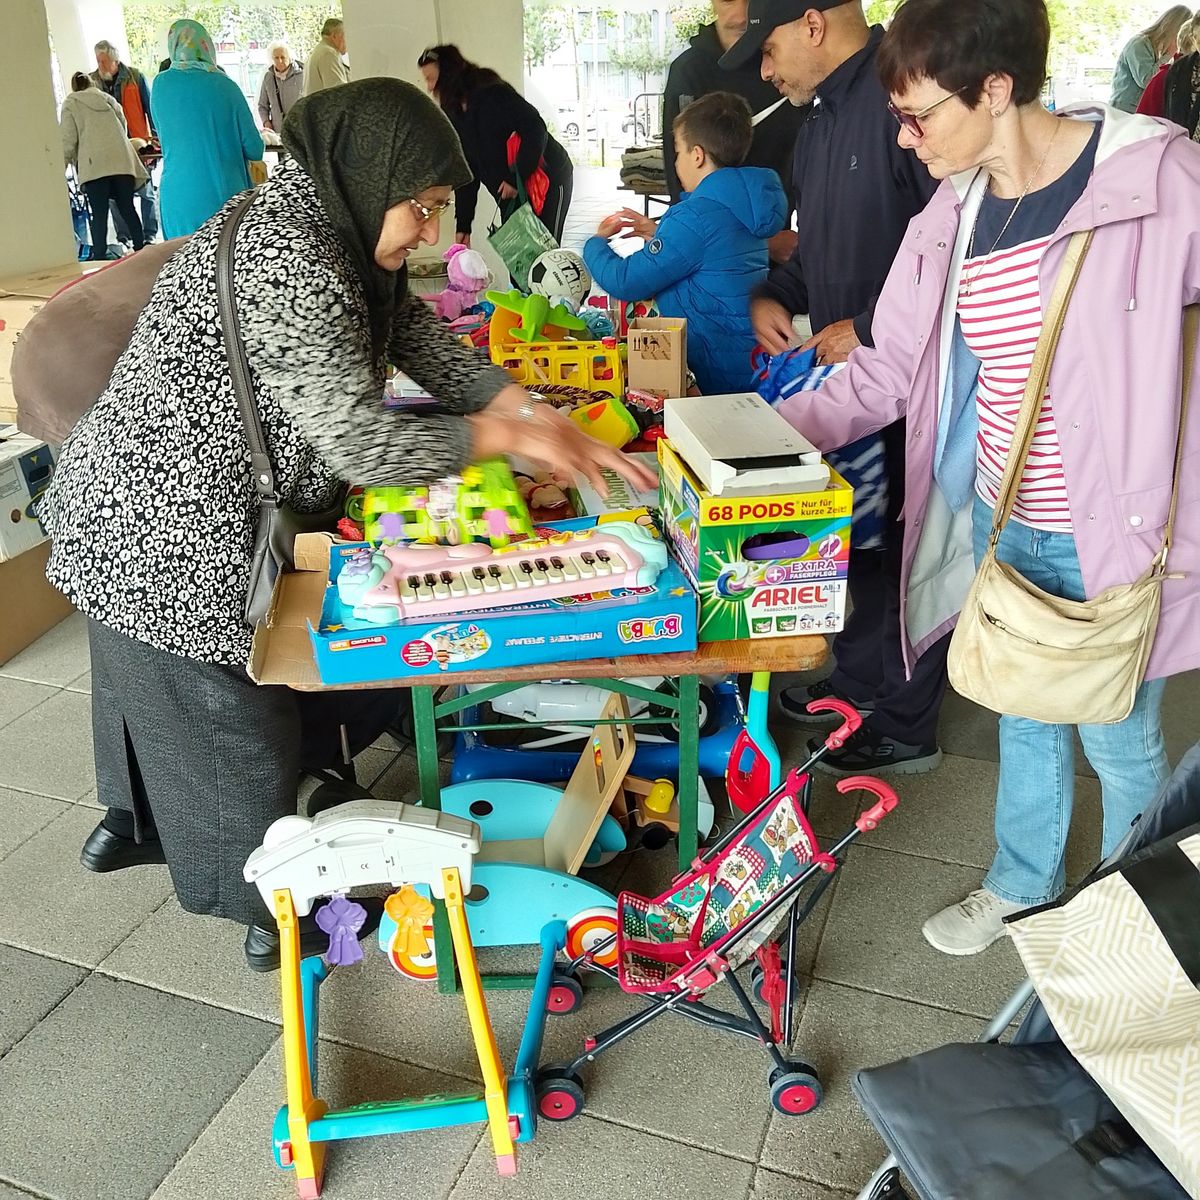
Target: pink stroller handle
{"x": 851, "y": 720}
{"x": 887, "y": 799}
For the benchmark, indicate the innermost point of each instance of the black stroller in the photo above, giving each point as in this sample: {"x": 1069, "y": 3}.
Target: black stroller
{"x": 1020, "y": 1120}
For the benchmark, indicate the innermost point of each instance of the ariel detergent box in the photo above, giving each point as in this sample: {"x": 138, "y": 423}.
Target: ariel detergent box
{"x": 765, "y": 566}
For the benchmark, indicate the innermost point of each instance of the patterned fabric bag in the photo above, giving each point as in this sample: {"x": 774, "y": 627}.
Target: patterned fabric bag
{"x": 1116, "y": 963}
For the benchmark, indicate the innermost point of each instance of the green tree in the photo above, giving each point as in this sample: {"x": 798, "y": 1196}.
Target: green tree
{"x": 686, "y": 20}
{"x": 544, "y": 32}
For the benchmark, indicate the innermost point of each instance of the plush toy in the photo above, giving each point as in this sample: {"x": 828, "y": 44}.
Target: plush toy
{"x": 468, "y": 275}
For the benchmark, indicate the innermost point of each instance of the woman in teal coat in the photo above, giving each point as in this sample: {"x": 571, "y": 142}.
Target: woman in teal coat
{"x": 206, "y": 130}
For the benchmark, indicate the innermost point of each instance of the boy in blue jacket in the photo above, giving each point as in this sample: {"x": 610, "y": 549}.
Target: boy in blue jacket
{"x": 707, "y": 254}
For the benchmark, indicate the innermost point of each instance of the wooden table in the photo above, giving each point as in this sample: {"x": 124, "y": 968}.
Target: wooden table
{"x": 684, "y": 670}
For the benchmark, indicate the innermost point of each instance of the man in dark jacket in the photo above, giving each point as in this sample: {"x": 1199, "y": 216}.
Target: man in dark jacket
{"x": 855, "y": 192}
{"x": 697, "y": 71}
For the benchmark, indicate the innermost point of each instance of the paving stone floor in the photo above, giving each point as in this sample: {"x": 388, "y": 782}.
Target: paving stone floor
{"x": 139, "y": 1058}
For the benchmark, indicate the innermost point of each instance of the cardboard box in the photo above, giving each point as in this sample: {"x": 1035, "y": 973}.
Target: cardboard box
{"x": 26, "y": 466}
{"x": 738, "y": 445}
{"x": 307, "y": 639}
{"x": 765, "y": 566}
{"x": 29, "y": 606}
{"x": 657, "y": 359}
{"x": 622, "y": 498}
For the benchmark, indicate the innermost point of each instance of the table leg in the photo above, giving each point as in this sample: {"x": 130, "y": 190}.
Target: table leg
{"x": 425, "y": 728}
{"x": 689, "y": 769}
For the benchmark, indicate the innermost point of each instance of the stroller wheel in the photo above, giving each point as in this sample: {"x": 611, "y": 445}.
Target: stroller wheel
{"x": 565, "y": 996}
{"x": 797, "y": 1090}
{"x": 559, "y": 1094}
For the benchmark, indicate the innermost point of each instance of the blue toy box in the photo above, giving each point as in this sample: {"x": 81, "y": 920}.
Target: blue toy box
{"x": 657, "y": 620}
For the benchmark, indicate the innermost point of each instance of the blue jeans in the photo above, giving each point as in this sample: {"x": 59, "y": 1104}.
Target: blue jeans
{"x": 1037, "y": 761}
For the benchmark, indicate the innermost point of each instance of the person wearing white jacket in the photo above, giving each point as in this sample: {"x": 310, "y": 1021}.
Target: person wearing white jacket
{"x": 96, "y": 143}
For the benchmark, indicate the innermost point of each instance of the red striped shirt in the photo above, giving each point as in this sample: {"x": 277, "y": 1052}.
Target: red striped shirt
{"x": 1001, "y": 319}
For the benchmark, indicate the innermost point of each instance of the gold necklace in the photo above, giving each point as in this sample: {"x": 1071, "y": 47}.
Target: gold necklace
{"x": 968, "y": 282}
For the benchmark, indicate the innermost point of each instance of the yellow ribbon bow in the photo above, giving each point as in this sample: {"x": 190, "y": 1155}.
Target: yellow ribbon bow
{"x": 412, "y": 913}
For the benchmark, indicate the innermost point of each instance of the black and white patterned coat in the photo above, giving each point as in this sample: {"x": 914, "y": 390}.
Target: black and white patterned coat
{"x": 152, "y": 510}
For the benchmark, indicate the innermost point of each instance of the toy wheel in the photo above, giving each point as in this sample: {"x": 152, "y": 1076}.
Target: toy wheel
{"x": 707, "y": 713}
{"x": 565, "y": 996}
{"x": 796, "y": 1090}
{"x": 422, "y": 967}
{"x": 559, "y": 1094}
{"x": 588, "y": 929}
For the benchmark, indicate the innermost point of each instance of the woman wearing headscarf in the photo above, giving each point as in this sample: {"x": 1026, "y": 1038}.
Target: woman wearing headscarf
{"x": 505, "y": 140}
{"x": 206, "y": 129}
{"x": 153, "y": 508}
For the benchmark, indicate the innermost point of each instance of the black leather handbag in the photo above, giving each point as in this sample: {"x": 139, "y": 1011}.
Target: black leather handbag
{"x": 278, "y": 523}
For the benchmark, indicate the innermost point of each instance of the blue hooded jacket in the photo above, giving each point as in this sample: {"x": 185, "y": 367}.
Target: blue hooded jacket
{"x": 708, "y": 257}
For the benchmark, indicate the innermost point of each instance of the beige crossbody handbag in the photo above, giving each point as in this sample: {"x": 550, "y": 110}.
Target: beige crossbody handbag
{"x": 1020, "y": 651}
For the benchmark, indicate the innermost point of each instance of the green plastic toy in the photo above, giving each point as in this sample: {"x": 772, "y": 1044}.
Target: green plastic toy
{"x": 480, "y": 505}
{"x": 535, "y": 313}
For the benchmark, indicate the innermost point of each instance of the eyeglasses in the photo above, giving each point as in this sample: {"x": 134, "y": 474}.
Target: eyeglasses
{"x": 912, "y": 121}
{"x": 428, "y": 214}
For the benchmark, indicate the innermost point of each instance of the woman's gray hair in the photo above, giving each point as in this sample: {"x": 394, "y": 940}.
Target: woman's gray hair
{"x": 279, "y": 46}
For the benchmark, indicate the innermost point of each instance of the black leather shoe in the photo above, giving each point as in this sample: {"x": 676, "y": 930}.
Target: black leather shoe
{"x": 262, "y": 941}
{"x": 108, "y": 851}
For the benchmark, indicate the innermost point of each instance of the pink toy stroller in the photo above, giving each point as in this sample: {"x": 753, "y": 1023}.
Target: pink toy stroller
{"x": 719, "y": 916}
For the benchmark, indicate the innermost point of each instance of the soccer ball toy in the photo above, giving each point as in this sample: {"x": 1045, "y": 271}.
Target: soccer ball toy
{"x": 560, "y": 273}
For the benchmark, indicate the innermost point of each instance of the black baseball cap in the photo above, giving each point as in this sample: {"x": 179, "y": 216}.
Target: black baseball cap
{"x": 762, "y": 17}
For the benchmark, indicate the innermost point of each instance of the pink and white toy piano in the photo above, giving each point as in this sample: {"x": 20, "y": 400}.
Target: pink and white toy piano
{"x": 415, "y": 581}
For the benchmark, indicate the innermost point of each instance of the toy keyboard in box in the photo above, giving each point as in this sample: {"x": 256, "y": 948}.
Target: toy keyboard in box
{"x": 445, "y": 617}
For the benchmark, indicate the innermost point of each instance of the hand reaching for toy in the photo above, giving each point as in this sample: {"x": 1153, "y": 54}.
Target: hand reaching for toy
{"x": 772, "y": 325}
{"x": 463, "y": 239}
{"x": 834, "y": 343}
{"x": 507, "y": 191}
{"x": 628, "y": 223}
{"x": 549, "y": 439}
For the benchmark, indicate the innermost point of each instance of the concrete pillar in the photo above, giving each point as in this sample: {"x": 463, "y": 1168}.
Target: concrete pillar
{"x": 35, "y": 215}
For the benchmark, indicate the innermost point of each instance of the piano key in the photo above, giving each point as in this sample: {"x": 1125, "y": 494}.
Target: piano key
{"x": 491, "y": 581}
{"x": 458, "y": 584}
{"x": 474, "y": 581}
{"x": 441, "y": 585}
{"x": 423, "y": 589}
{"x": 554, "y": 570}
{"x": 524, "y": 575}
{"x": 567, "y": 567}
{"x": 408, "y": 585}
{"x": 537, "y": 572}
{"x": 507, "y": 580}
{"x": 603, "y": 563}
{"x": 585, "y": 564}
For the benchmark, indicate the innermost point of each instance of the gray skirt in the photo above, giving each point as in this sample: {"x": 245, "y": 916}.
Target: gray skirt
{"x": 206, "y": 757}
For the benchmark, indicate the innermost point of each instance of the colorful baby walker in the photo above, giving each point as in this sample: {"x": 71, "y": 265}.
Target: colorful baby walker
{"x": 721, "y": 915}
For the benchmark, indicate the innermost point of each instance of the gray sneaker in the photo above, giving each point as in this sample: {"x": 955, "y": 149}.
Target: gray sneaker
{"x": 971, "y": 925}
{"x": 794, "y": 702}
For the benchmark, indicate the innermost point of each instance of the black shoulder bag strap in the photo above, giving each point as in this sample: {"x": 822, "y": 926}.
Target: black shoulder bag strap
{"x": 235, "y": 352}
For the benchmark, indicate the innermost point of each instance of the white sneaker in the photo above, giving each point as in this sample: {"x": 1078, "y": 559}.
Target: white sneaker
{"x": 971, "y": 925}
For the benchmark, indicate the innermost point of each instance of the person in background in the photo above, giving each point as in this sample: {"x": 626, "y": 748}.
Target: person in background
{"x": 855, "y": 191}
{"x": 696, "y": 71}
{"x": 208, "y": 135}
{"x": 707, "y": 253}
{"x": 194, "y": 759}
{"x": 127, "y": 86}
{"x": 96, "y": 142}
{"x": 326, "y": 66}
{"x": 956, "y": 330}
{"x": 1143, "y": 55}
{"x": 505, "y": 141}
{"x": 1153, "y": 101}
{"x": 1181, "y": 88}
{"x": 282, "y": 86}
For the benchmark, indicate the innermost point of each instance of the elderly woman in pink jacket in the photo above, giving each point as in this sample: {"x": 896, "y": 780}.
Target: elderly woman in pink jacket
{"x": 954, "y": 334}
